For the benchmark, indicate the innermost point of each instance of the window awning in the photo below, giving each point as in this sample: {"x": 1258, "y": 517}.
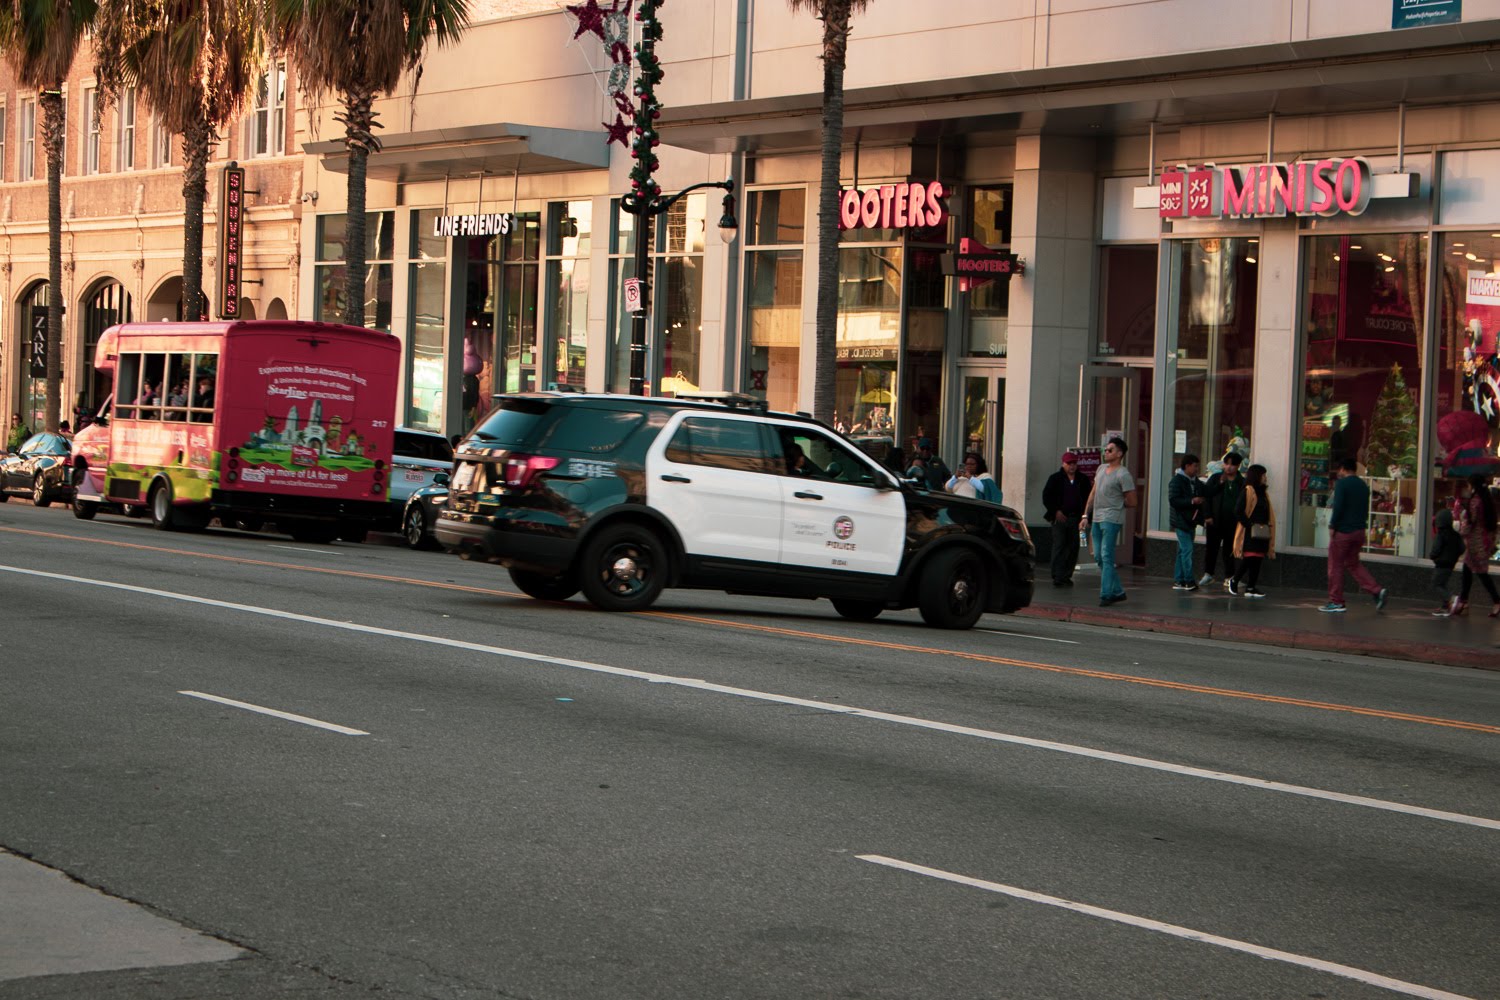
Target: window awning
{"x": 497, "y": 148}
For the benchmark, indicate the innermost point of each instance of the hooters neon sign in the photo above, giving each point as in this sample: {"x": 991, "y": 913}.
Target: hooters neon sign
{"x": 908, "y": 205}
{"x": 1268, "y": 190}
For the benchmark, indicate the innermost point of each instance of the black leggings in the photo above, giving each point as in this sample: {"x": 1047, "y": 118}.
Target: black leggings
{"x": 1249, "y": 570}
{"x": 1484, "y": 578}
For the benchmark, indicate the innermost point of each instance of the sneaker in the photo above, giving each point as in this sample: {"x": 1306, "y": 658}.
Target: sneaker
{"x": 1442, "y": 612}
{"x": 1255, "y": 592}
{"x": 1179, "y": 586}
{"x": 1380, "y": 599}
{"x": 1205, "y": 579}
{"x": 1190, "y": 587}
{"x": 1333, "y": 609}
{"x": 1230, "y": 586}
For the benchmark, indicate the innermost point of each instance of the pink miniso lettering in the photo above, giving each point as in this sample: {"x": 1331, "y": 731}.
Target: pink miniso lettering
{"x": 1239, "y": 192}
{"x": 1278, "y": 195}
{"x": 1322, "y": 185}
{"x": 899, "y": 215}
{"x": 1350, "y": 190}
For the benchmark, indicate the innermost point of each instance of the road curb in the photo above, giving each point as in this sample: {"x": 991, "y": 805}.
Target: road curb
{"x": 1270, "y": 635}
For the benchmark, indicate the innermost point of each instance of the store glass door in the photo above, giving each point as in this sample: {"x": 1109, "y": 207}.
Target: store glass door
{"x": 1115, "y": 401}
{"x": 983, "y": 417}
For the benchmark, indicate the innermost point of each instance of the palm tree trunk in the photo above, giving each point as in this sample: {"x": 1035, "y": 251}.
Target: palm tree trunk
{"x": 359, "y": 123}
{"x": 825, "y": 367}
{"x": 195, "y": 147}
{"x": 52, "y": 141}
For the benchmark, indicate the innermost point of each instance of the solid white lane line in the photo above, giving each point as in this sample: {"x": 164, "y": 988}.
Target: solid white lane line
{"x": 297, "y": 548}
{"x": 331, "y": 727}
{"x": 1027, "y": 635}
{"x": 1333, "y": 968}
{"x": 781, "y": 699}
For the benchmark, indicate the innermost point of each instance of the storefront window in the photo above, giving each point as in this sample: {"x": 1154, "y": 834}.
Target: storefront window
{"x": 1467, "y": 403}
{"x": 426, "y": 354}
{"x": 989, "y": 303}
{"x": 775, "y": 227}
{"x": 1127, "y": 301}
{"x": 675, "y": 336}
{"x": 109, "y": 305}
{"x": 519, "y": 273}
{"x": 868, "y": 344}
{"x": 1363, "y": 302}
{"x": 621, "y": 267}
{"x": 570, "y": 241}
{"x": 1210, "y": 350}
{"x": 380, "y": 245}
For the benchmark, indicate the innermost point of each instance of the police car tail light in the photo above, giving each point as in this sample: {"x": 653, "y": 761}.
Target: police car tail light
{"x": 1015, "y": 529}
{"x": 521, "y": 469}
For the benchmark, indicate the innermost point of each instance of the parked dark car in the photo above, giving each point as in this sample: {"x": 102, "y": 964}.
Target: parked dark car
{"x": 619, "y": 496}
{"x": 38, "y": 469}
{"x": 421, "y": 513}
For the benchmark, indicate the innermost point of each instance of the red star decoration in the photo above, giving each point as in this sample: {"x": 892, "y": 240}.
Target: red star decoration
{"x": 618, "y": 132}
{"x": 590, "y": 18}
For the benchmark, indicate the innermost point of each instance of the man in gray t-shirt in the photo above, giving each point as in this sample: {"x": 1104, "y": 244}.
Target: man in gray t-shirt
{"x": 1114, "y": 491}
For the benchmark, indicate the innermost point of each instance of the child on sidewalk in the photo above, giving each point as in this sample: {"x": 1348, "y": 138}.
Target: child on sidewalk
{"x": 1447, "y": 548}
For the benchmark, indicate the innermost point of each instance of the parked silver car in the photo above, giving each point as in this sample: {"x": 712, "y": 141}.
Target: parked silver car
{"x": 419, "y": 457}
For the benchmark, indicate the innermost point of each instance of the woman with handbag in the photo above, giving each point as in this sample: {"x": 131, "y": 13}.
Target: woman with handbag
{"x": 1255, "y": 533}
{"x": 1476, "y": 525}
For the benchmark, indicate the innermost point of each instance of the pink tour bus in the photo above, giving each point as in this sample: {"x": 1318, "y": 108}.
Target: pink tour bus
{"x": 253, "y": 422}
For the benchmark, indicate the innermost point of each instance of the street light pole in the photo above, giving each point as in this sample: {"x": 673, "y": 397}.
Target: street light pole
{"x": 645, "y": 200}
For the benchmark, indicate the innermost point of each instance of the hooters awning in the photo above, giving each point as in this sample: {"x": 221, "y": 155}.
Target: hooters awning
{"x": 496, "y": 148}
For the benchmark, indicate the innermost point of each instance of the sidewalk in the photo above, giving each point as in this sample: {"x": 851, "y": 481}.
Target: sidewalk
{"x": 1405, "y": 630}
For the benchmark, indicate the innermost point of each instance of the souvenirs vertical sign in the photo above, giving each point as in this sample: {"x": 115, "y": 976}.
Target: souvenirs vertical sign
{"x": 231, "y": 238}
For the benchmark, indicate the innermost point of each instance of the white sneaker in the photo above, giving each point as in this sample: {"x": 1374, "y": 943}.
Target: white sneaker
{"x": 1229, "y": 584}
{"x": 1205, "y": 579}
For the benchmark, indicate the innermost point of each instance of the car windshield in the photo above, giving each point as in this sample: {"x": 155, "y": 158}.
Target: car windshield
{"x": 46, "y": 444}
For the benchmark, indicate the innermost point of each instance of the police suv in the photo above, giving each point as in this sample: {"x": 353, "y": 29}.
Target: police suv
{"x": 622, "y": 496}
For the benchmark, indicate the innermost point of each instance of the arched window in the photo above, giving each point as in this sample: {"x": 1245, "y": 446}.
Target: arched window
{"x": 109, "y": 305}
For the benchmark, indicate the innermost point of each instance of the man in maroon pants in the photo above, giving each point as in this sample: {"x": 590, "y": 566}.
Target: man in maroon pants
{"x": 1346, "y": 525}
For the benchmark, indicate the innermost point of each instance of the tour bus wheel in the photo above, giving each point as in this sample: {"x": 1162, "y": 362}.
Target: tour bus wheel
{"x": 160, "y": 504}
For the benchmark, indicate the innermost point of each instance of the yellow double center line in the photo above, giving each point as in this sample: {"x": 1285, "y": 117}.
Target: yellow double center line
{"x": 1104, "y": 675}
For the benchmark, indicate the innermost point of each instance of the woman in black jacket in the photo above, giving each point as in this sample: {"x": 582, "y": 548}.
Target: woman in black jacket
{"x": 1255, "y": 536}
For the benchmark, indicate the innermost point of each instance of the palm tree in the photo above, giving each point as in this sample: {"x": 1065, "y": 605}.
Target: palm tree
{"x": 40, "y": 39}
{"x": 360, "y": 49}
{"x": 835, "y": 15}
{"x": 194, "y": 62}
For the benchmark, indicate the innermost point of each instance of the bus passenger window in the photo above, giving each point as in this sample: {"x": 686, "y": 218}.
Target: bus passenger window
{"x": 201, "y": 389}
{"x": 153, "y": 388}
{"x": 128, "y": 385}
{"x": 175, "y": 388}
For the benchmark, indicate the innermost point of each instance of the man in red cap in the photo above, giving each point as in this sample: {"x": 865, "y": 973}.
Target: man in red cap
{"x": 1063, "y": 498}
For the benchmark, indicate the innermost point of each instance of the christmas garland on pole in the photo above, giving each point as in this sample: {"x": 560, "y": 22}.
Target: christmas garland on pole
{"x": 643, "y": 187}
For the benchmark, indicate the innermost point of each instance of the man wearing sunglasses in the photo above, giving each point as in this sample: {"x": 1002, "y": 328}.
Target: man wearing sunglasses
{"x": 1113, "y": 494}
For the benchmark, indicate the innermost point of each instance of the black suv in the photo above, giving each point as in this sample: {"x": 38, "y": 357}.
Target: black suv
{"x": 621, "y": 496}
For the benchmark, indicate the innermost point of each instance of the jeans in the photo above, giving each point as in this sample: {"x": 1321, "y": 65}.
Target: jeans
{"x": 1064, "y": 546}
{"x": 1105, "y": 536}
{"x": 1183, "y": 571}
{"x": 1343, "y": 554}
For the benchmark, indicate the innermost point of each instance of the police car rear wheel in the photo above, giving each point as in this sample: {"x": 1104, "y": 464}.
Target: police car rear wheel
{"x": 954, "y": 590}
{"x": 858, "y": 611}
{"x": 624, "y": 568}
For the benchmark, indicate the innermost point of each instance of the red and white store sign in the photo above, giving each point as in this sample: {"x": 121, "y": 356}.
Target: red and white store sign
{"x": 1268, "y": 190}
{"x": 908, "y": 205}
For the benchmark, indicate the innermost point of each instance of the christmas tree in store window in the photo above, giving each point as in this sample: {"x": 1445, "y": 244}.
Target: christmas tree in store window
{"x": 1392, "y": 448}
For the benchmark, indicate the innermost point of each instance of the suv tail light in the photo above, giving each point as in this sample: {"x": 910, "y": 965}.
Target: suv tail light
{"x": 1016, "y": 529}
{"x": 521, "y": 469}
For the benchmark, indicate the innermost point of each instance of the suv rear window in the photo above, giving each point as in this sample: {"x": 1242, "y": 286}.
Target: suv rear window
{"x": 592, "y": 431}
{"x": 430, "y": 446}
{"x": 515, "y": 423}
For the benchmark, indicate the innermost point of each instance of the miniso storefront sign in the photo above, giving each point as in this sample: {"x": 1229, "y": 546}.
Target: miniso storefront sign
{"x": 1325, "y": 188}
{"x": 498, "y": 224}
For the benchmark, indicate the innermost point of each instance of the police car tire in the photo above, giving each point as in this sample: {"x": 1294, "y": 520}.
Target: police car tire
{"x": 604, "y": 551}
{"x": 858, "y": 611}
{"x": 954, "y": 589}
{"x": 545, "y": 588}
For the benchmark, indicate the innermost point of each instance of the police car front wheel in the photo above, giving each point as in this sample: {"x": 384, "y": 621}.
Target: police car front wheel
{"x": 954, "y": 589}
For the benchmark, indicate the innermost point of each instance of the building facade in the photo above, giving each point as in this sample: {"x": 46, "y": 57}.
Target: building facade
{"x": 122, "y": 231}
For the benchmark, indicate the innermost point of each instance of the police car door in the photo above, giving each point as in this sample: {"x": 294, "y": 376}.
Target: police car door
{"x": 840, "y": 510}
{"x": 713, "y": 478}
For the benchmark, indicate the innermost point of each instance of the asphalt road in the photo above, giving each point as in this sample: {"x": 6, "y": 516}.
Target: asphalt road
{"x": 725, "y": 797}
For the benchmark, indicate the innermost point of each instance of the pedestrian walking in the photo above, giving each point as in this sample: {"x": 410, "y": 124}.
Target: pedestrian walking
{"x": 1447, "y": 548}
{"x": 1254, "y": 535}
{"x": 1476, "y": 525}
{"x": 1063, "y": 497}
{"x": 1185, "y": 503}
{"x": 1112, "y": 495}
{"x": 1221, "y": 496}
{"x": 1347, "y": 520}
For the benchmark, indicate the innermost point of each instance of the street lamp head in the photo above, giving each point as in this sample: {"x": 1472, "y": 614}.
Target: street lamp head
{"x": 729, "y": 226}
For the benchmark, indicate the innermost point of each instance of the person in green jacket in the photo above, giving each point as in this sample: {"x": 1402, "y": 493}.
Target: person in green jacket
{"x": 19, "y": 432}
{"x": 1221, "y": 496}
